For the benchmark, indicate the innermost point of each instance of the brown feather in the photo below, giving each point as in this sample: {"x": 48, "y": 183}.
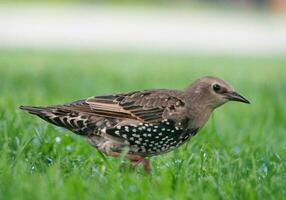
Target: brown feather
{"x": 144, "y": 106}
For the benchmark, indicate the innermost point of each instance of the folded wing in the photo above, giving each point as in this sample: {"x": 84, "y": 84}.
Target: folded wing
{"x": 145, "y": 106}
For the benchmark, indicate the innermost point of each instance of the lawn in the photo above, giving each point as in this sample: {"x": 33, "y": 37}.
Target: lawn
{"x": 239, "y": 154}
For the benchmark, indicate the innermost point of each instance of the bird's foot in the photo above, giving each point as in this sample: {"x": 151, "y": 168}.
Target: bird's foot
{"x": 135, "y": 160}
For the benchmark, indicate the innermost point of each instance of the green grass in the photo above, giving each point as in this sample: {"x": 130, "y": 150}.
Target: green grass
{"x": 239, "y": 154}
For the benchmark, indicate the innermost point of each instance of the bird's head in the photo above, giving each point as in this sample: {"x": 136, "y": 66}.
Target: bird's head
{"x": 213, "y": 92}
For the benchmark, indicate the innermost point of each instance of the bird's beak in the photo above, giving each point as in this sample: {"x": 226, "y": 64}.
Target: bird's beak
{"x": 234, "y": 96}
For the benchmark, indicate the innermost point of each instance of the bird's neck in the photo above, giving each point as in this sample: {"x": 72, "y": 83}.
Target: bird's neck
{"x": 199, "y": 115}
{"x": 199, "y": 110}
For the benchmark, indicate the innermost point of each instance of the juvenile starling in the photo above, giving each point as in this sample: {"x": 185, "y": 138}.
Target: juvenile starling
{"x": 146, "y": 123}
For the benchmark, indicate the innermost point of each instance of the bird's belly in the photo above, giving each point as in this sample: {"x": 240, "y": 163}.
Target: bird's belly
{"x": 163, "y": 144}
{"x": 145, "y": 139}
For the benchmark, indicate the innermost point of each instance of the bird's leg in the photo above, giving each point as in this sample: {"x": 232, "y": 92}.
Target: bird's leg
{"x": 135, "y": 160}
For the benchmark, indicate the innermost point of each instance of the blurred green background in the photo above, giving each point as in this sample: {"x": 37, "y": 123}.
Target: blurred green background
{"x": 239, "y": 154}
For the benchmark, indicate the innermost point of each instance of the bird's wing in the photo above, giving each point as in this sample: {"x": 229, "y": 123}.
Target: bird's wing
{"x": 144, "y": 106}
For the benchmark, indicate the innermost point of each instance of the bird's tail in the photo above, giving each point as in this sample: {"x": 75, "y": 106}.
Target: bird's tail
{"x": 60, "y": 116}
{"x": 33, "y": 109}
{"x": 53, "y": 115}
{"x": 45, "y": 113}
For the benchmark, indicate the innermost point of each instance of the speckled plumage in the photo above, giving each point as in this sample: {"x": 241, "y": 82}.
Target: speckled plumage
{"x": 147, "y": 123}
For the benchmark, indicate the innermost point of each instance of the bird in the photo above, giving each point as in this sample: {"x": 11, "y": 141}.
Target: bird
{"x": 142, "y": 123}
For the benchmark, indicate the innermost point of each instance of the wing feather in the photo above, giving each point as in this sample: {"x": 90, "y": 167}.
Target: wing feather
{"x": 145, "y": 106}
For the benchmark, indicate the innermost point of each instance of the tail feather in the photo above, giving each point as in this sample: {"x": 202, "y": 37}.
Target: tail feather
{"x": 42, "y": 112}
{"x": 33, "y": 109}
{"x": 62, "y": 117}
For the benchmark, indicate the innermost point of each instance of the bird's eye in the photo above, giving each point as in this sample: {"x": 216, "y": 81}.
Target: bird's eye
{"x": 216, "y": 87}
